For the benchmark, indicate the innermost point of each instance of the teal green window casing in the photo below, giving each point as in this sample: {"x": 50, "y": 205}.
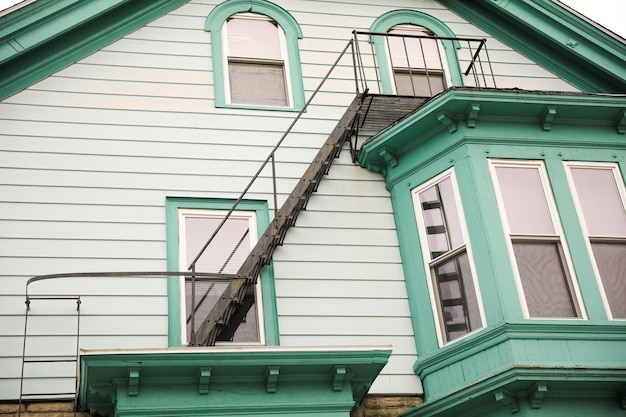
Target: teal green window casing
{"x": 187, "y": 221}
{"x": 600, "y": 199}
{"x": 401, "y": 20}
{"x": 281, "y": 66}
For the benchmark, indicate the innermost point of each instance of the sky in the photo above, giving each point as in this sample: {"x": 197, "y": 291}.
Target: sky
{"x": 608, "y": 13}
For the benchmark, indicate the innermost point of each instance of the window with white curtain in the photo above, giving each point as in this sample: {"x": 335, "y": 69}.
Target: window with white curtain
{"x": 600, "y": 197}
{"x": 256, "y": 70}
{"x": 541, "y": 261}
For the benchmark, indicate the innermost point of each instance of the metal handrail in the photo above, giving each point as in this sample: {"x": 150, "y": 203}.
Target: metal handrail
{"x": 271, "y": 158}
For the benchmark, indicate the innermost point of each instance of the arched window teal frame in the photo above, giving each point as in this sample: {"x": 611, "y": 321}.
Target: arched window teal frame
{"x": 413, "y": 17}
{"x": 215, "y": 22}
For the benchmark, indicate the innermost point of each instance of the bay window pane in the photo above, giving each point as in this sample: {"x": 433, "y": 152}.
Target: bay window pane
{"x": 525, "y": 201}
{"x": 457, "y": 297}
{"x": 544, "y": 282}
{"x": 611, "y": 261}
{"x": 600, "y": 201}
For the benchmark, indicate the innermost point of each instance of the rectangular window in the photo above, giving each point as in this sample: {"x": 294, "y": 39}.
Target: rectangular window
{"x": 601, "y": 202}
{"x": 224, "y": 255}
{"x": 542, "y": 265}
{"x": 454, "y": 290}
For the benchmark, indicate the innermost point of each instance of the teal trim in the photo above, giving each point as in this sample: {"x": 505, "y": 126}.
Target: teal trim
{"x": 172, "y": 204}
{"x": 511, "y": 353}
{"x": 514, "y": 357}
{"x": 214, "y": 23}
{"x": 48, "y": 35}
{"x": 314, "y": 382}
{"x": 400, "y": 17}
{"x": 554, "y": 38}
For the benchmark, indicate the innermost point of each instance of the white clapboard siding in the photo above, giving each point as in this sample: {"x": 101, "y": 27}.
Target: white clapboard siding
{"x": 89, "y": 155}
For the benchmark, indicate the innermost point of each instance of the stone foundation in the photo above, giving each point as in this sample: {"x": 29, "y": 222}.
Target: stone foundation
{"x": 372, "y": 406}
{"x": 40, "y": 409}
{"x": 385, "y": 406}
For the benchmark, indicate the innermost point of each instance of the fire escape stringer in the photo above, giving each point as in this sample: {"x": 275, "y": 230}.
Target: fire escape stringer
{"x": 237, "y": 299}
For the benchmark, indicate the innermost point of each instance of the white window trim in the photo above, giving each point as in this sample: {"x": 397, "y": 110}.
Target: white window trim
{"x": 421, "y": 227}
{"x": 182, "y": 259}
{"x": 284, "y": 54}
{"x": 614, "y": 168}
{"x": 570, "y": 275}
{"x": 445, "y": 66}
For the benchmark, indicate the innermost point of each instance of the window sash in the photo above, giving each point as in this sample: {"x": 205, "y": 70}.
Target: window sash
{"x": 256, "y": 75}
{"x": 225, "y": 254}
{"x": 551, "y": 291}
{"x": 418, "y": 65}
{"x": 598, "y": 197}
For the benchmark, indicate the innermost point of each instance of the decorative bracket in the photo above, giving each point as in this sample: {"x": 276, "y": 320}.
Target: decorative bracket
{"x": 537, "y": 393}
{"x": 472, "y": 114}
{"x": 508, "y": 400}
{"x": 133, "y": 382}
{"x": 339, "y": 374}
{"x": 548, "y": 117}
{"x": 389, "y": 157}
{"x": 272, "y": 378}
{"x": 203, "y": 381}
{"x": 447, "y": 121}
{"x": 620, "y": 123}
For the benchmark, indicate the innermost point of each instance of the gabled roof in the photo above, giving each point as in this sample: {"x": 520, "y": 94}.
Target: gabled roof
{"x": 580, "y": 52}
{"x": 47, "y": 35}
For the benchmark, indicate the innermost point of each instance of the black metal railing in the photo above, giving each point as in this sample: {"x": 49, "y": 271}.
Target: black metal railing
{"x": 427, "y": 64}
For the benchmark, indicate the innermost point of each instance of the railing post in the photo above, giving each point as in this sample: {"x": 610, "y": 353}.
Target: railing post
{"x": 193, "y": 307}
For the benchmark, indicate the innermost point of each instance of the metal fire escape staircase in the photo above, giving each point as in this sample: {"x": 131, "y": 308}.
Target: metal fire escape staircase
{"x": 232, "y": 307}
{"x": 372, "y": 112}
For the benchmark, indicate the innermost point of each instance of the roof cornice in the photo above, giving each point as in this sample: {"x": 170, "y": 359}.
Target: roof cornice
{"x": 48, "y": 35}
{"x": 554, "y": 37}
{"x": 460, "y": 112}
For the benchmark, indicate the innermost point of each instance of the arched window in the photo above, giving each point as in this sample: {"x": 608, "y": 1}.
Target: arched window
{"x": 256, "y": 62}
{"x": 411, "y": 61}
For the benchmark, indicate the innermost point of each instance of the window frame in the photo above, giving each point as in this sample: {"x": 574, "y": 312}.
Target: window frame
{"x": 589, "y": 238}
{"x": 269, "y": 324}
{"x": 283, "y": 62}
{"x": 558, "y": 237}
{"x": 430, "y": 264}
{"x": 215, "y": 23}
